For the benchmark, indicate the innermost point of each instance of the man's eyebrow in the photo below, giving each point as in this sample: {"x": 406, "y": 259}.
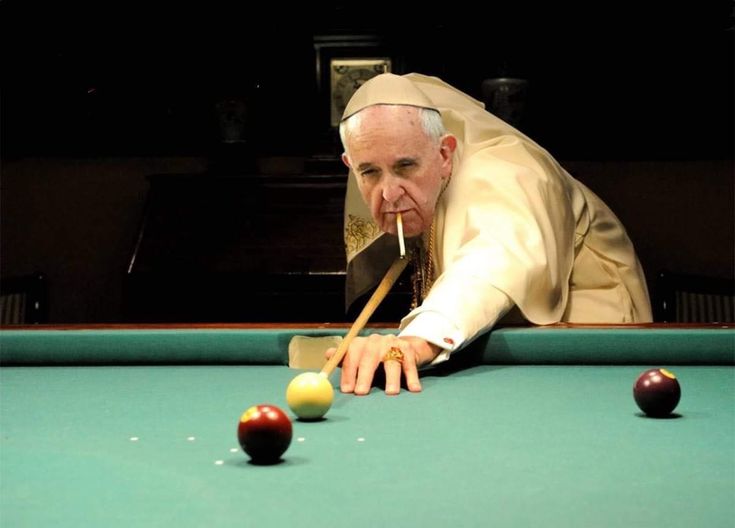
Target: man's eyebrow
{"x": 364, "y": 166}
{"x": 400, "y": 161}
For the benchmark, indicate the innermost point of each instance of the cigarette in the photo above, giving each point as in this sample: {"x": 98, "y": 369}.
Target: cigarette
{"x": 401, "y": 242}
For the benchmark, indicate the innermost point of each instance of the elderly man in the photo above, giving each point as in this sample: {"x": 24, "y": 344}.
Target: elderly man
{"x": 500, "y": 228}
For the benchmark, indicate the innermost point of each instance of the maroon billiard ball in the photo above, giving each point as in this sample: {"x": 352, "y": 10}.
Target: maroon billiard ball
{"x": 264, "y": 433}
{"x": 657, "y": 392}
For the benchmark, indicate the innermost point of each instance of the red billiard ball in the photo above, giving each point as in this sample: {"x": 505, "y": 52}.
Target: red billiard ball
{"x": 657, "y": 392}
{"x": 264, "y": 433}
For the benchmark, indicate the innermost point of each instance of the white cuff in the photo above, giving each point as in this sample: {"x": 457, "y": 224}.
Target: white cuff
{"x": 434, "y": 328}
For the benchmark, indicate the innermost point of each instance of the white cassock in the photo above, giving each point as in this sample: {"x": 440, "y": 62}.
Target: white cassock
{"x": 512, "y": 229}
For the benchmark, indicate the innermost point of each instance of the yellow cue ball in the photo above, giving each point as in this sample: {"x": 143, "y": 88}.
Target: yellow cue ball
{"x": 310, "y": 395}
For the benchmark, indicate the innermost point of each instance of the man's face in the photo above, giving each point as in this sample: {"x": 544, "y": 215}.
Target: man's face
{"x": 398, "y": 167}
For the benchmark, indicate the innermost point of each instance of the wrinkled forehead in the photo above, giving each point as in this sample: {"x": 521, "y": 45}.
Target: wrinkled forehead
{"x": 385, "y": 127}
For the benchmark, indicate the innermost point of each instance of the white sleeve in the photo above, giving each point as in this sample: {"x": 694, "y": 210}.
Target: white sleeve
{"x": 438, "y": 328}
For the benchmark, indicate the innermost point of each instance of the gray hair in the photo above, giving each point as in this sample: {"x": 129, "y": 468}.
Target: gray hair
{"x": 431, "y": 123}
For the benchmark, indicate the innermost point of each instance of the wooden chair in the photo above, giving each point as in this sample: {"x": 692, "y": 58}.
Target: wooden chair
{"x": 24, "y": 299}
{"x": 680, "y": 298}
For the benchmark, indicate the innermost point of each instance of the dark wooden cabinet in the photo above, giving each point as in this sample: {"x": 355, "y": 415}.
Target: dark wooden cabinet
{"x": 244, "y": 248}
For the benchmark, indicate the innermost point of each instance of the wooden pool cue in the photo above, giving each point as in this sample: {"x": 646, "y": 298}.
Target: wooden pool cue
{"x": 377, "y": 297}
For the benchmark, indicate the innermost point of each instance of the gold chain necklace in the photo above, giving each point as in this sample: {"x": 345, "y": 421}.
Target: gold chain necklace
{"x": 423, "y": 262}
{"x": 423, "y": 270}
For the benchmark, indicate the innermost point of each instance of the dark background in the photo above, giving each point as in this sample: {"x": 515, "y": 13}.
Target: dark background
{"x": 634, "y": 98}
{"x": 617, "y": 80}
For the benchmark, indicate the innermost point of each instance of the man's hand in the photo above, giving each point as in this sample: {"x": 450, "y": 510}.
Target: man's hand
{"x": 365, "y": 354}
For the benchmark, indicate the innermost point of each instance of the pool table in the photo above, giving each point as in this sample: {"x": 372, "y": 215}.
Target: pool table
{"x": 136, "y": 426}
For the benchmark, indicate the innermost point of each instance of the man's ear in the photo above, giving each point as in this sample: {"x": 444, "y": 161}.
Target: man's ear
{"x": 346, "y": 160}
{"x": 447, "y": 147}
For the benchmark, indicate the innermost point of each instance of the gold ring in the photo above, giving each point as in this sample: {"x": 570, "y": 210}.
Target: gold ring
{"x": 394, "y": 354}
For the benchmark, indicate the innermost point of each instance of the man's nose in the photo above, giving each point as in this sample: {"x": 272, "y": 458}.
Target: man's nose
{"x": 392, "y": 190}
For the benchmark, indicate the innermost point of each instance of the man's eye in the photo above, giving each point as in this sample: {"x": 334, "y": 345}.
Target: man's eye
{"x": 369, "y": 172}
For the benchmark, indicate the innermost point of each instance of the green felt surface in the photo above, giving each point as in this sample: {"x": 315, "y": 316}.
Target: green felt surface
{"x": 483, "y": 446}
{"x": 706, "y": 346}
{"x": 531, "y": 427}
